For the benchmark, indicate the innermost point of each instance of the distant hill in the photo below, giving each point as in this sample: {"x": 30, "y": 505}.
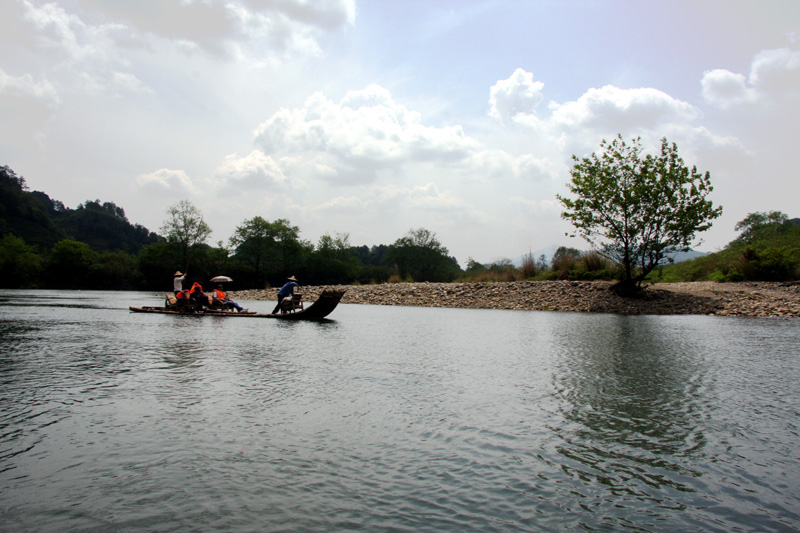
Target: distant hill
{"x": 42, "y": 222}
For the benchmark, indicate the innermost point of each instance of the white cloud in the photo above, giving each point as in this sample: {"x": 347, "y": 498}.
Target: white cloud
{"x": 518, "y": 94}
{"x": 620, "y": 110}
{"x": 577, "y": 126}
{"x": 26, "y": 87}
{"x": 253, "y": 171}
{"x": 774, "y": 78}
{"x": 216, "y": 26}
{"x": 723, "y": 88}
{"x": 167, "y": 182}
{"x": 365, "y": 133}
{"x": 777, "y": 72}
{"x": 494, "y": 164}
{"x": 25, "y": 107}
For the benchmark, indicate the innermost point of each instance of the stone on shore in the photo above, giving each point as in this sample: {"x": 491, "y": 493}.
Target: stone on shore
{"x": 697, "y": 298}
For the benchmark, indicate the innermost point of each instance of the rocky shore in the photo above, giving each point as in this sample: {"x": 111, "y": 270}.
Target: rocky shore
{"x": 698, "y": 298}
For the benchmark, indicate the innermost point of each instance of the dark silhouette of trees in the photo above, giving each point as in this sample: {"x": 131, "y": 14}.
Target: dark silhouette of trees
{"x": 420, "y": 256}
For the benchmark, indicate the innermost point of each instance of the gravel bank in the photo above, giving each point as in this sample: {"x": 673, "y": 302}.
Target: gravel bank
{"x": 699, "y": 298}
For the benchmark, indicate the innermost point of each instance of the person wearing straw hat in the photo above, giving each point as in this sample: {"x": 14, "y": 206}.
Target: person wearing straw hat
{"x": 286, "y": 290}
{"x": 177, "y": 281}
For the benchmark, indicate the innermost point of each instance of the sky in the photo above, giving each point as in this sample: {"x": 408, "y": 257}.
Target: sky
{"x": 372, "y": 118}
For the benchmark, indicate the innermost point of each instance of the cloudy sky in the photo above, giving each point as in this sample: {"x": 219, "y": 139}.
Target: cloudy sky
{"x": 375, "y": 117}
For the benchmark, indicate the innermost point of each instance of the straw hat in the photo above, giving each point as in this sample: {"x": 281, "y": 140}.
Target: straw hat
{"x": 177, "y": 273}
{"x": 292, "y": 278}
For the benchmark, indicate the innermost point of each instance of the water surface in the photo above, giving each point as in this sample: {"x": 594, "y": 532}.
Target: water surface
{"x": 393, "y": 418}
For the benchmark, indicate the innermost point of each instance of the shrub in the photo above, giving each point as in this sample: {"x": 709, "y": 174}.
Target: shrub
{"x": 770, "y": 264}
{"x": 593, "y": 261}
{"x": 529, "y": 267}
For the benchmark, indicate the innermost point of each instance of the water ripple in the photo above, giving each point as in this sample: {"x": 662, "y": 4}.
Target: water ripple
{"x": 393, "y": 419}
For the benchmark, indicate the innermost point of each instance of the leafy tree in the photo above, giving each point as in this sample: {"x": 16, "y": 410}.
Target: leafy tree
{"x": 70, "y": 265}
{"x": 253, "y": 242}
{"x": 270, "y": 248}
{"x": 420, "y": 256}
{"x": 185, "y": 229}
{"x": 156, "y": 262}
{"x": 290, "y": 247}
{"x": 636, "y": 209}
{"x": 755, "y": 225}
{"x": 334, "y": 261}
{"x": 115, "y": 271}
{"x": 20, "y": 265}
{"x": 769, "y": 264}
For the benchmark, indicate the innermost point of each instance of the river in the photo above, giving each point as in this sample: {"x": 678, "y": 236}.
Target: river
{"x": 393, "y": 419}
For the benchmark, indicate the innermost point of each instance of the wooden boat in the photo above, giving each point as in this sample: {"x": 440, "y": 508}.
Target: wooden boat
{"x": 322, "y": 307}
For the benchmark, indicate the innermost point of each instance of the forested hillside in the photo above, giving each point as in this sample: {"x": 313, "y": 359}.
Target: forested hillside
{"x": 42, "y": 222}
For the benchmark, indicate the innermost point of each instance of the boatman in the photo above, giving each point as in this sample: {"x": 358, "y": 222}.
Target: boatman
{"x": 177, "y": 282}
{"x": 286, "y": 290}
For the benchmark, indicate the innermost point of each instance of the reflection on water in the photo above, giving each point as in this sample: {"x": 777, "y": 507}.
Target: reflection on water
{"x": 392, "y": 419}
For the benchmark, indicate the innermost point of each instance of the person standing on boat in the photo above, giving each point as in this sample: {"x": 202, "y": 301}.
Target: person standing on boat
{"x": 220, "y": 295}
{"x": 286, "y": 290}
{"x": 177, "y": 282}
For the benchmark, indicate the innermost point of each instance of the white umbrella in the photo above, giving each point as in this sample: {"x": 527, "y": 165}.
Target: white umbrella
{"x": 220, "y": 279}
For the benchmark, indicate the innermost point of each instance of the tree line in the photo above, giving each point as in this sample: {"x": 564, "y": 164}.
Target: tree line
{"x": 44, "y": 244}
{"x": 635, "y": 209}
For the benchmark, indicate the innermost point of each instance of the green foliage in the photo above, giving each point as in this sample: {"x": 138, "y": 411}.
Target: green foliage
{"x": 767, "y": 250}
{"x": 334, "y": 260}
{"x": 23, "y": 214}
{"x": 565, "y": 260}
{"x": 271, "y": 250}
{"x": 115, "y": 270}
{"x": 70, "y": 265}
{"x": 636, "y": 208}
{"x": 757, "y": 226}
{"x": 156, "y": 263}
{"x": 185, "y": 229}
{"x": 420, "y": 256}
{"x": 20, "y": 265}
{"x": 104, "y": 227}
{"x": 769, "y": 264}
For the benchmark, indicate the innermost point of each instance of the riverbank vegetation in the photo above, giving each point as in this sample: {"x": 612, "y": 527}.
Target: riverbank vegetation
{"x": 44, "y": 244}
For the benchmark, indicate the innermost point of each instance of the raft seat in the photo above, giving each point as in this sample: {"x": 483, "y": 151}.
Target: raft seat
{"x": 297, "y": 302}
{"x": 171, "y": 300}
{"x": 289, "y": 305}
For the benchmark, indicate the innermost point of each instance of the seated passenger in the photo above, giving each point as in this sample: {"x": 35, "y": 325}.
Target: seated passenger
{"x": 182, "y": 297}
{"x": 196, "y": 293}
{"x": 221, "y": 297}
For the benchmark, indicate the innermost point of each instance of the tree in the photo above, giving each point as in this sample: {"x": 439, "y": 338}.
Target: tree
{"x": 268, "y": 247}
{"x": 70, "y": 265}
{"x": 20, "y": 265}
{"x": 420, "y": 256}
{"x": 636, "y": 209}
{"x": 185, "y": 229}
{"x": 334, "y": 260}
{"x": 757, "y": 224}
{"x": 253, "y": 241}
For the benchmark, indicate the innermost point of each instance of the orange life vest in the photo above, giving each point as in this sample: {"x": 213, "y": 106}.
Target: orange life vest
{"x": 219, "y": 295}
